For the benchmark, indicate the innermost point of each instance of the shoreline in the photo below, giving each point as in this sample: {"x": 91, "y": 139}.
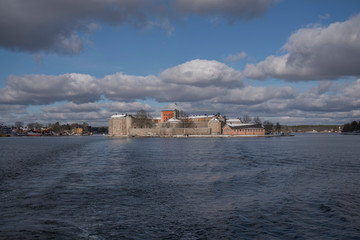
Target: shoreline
{"x": 203, "y": 136}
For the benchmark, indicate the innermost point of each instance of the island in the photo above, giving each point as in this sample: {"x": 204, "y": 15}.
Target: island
{"x": 175, "y": 123}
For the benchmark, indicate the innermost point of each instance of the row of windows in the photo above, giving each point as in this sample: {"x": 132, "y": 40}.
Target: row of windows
{"x": 243, "y": 130}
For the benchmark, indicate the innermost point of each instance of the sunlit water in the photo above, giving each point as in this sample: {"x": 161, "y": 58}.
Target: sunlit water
{"x": 302, "y": 187}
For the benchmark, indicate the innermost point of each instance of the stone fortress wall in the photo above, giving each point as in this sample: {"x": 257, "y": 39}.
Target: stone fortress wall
{"x": 168, "y": 131}
{"x": 119, "y": 125}
{"x": 122, "y": 125}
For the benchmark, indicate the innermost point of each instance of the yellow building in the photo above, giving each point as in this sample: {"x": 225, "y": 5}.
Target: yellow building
{"x": 79, "y": 131}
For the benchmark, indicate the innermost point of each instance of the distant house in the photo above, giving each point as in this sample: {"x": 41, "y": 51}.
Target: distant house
{"x": 157, "y": 119}
{"x": 79, "y": 131}
{"x": 168, "y": 114}
{"x": 201, "y": 118}
{"x": 243, "y": 129}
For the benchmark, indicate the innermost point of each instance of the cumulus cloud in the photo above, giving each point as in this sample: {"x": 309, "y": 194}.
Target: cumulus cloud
{"x": 12, "y": 108}
{"x": 96, "y": 114}
{"x": 254, "y": 95}
{"x": 236, "y": 57}
{"x": 122, "y": 87}
{"x": 315, "y": 53}
{"x": 192, "y": 81}
{"x": 97, "y": 107}
{"x": 46, "y": 89}
{"x": 58, "y": 26}
{"x": 353, "y": 90}
{"x": 183, "y": 84}
{"x": 202, "y": 73}
{"x": 229, "y": 9}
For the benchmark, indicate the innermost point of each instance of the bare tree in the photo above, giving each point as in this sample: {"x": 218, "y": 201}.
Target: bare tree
{"x": 85, "y": 127}
{"x": 257, "y": 120}
{"x": 19, "y": 125}
{"x": 35, "y": 126}
{"x": 56, "y": 127}
{"x": 143, "y": 119}
{"x": 278, "y": 127}
{"x": 185, "y": 120}
{"x": 246, "y": 119}
{"x": 268, "y": 126}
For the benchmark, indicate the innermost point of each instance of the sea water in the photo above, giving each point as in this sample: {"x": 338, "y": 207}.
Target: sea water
{"x": 301, "y": 187}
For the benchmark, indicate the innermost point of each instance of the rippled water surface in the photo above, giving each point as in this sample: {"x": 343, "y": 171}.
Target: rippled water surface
{"x": 302, "y": 187}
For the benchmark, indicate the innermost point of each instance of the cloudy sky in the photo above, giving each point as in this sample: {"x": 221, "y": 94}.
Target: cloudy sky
{"x": 293, "y": 62}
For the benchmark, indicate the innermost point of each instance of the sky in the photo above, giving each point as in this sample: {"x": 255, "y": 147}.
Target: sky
{"x": 292, "y": 62}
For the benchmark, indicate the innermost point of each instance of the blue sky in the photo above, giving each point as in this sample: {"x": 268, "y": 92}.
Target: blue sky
{"x": 293, "y": 62}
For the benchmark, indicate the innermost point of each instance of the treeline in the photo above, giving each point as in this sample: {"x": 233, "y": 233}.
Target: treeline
{"x": 269, "y": 126}
{"x": 59, "y": 128}
{"x": 354, "y": 126}
{"x": 310, "y": 128}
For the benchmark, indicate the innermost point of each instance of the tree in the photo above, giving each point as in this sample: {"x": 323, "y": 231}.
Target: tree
{"x": 35, "y": 126}
{"x": 246, "y": 119}
{"x": 257, "y": 120}
{"x": 350, "y": 127}
{"x": 355, "y": 126}
{"x": 56, "y": 127}
{"x": 278, "y": 127}
{"x": 19, "y": 125}
{"x": 268, "y": 126}
{"x": 143, "y": 119}
{"x": 186, "y": 122}
{"x": 85, "y": 126}
{"x": 74, "y": 125}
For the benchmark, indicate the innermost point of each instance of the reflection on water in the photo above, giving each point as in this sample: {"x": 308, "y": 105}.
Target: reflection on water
{"x": 304, "y": 187}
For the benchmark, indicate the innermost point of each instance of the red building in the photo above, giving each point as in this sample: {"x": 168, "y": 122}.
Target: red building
{"x": 243, "y": 129}
{"x": 168, "y": 114}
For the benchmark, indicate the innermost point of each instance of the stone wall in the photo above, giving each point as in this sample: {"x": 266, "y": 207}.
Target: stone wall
{"x": 180, "y": 125}
{"x": 119, "y": 126}
{"x": 215, "y": 126}
{"x": 168, "y": 131}
{"x": 122, "y": 125}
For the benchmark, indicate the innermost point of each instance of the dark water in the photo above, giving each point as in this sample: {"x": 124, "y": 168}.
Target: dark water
{"x": 302, "y": 187}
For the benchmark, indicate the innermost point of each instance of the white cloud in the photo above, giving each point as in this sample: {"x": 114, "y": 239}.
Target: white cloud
{"x": 197, "y": 86}
{"x": 68, "y": 44}
{"x": 192, "y": 81}
{"x": 315, "y": 53}
{"x": 353, "y": 90}
{"x": 93, "y": 113}
{"x": 122, "y": 87}
{"x": 254, "y": 95}
{"x": 46, "y": 89}
{"x": 325, "y": 16}
{"x": 236, "y": 57}
{"x": 202, "y": 73}
{"x": 71, "y": 107}
{"x": 12, "y": 109}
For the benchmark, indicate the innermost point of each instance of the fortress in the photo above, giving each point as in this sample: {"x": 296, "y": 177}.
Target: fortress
{"x": 172, "y": 124}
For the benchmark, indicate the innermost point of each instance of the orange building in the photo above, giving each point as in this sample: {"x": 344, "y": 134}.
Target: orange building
{"x": 168, "y": 114}
{"x": 243, "y": 129}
